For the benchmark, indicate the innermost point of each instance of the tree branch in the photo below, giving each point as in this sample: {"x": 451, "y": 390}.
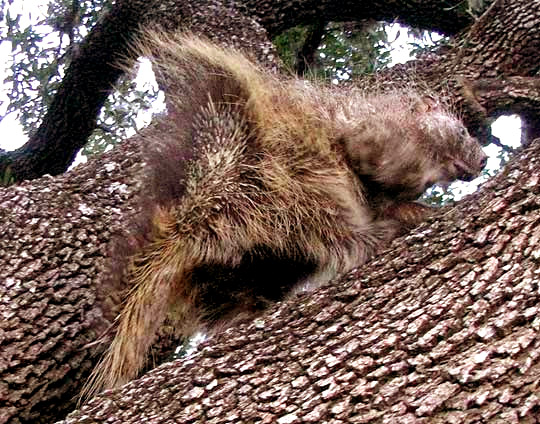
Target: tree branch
{"x": 512, "y": 93}
{"x": 305, "y": 58}
{"x": 91, "y": 75}
{"x": 443, "y": 327}
{"x": 72, "y": 115}
{"x": 447, "y": 17}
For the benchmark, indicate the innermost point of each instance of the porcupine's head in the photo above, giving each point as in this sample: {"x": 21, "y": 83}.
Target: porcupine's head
{"x": 455, "y": 154}
{"x": 401, "y": 143}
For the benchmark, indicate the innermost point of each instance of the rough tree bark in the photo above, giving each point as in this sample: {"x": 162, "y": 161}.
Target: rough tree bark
{"x": 446, "y": 330}
{"x": 443, "y": 327}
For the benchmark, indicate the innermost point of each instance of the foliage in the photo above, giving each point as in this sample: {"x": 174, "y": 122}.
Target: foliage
{"x": 425, "y": 41}
{"x": 347, "y": 49}
{"x": 289, "y": 43}
{"x": 41, "y": 49}
{"x": 120, "y": 114}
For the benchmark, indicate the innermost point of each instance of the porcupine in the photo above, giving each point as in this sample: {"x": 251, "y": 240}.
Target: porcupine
{"x": 260, "y": 183}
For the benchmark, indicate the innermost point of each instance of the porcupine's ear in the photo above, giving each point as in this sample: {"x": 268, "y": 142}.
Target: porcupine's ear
{"x": 423, "y": 104}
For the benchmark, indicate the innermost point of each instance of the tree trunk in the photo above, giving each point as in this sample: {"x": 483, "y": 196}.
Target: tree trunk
{"x": 442, "y": 326}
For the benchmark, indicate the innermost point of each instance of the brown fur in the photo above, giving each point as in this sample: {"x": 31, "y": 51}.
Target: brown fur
{"x": 259, "y": 184}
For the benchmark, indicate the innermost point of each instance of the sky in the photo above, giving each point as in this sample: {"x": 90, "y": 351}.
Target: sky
{"x": 12, "y": 134}
{"x": 507, "y": 128}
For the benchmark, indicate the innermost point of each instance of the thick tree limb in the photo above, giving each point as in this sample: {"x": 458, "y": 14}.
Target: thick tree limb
{"x": 444, "y": 327}
{"x": 55, "y": 236}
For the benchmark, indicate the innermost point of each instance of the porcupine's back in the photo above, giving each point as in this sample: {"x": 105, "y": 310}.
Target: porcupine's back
{"x": 257, "y": 106}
